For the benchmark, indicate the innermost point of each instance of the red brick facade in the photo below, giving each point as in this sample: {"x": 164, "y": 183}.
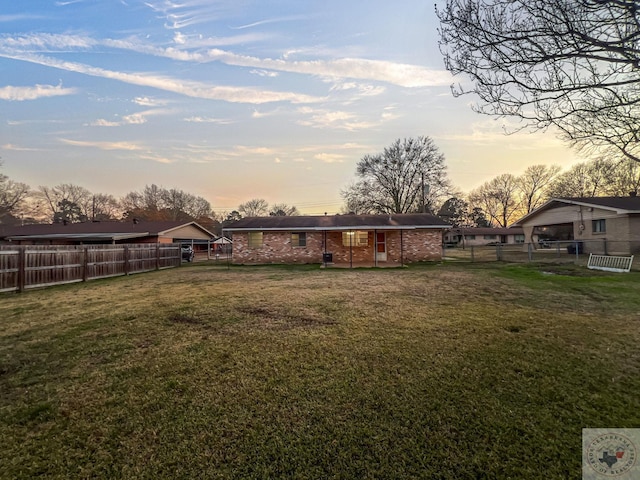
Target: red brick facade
{"x": 402, "y": 246}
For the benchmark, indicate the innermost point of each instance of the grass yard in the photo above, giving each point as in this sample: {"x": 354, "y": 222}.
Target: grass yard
{"x": 433, "y": 371}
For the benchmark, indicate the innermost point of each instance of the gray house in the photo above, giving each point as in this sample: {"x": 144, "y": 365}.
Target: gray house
{"x": 603, "y": 224}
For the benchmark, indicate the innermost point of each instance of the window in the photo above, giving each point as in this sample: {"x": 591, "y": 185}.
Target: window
{"x": 470, "y": 237}
{"x": 489, "y": 237}
{"x": 299, "y": 239}
{"x": 518, "y": 238}
{"x": 255, "y": 239}
{"x": 599, "y": 226}
{"x": 355, "y": 239}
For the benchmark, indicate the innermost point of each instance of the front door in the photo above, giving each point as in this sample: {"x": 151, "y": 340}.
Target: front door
{"x": 381, "y": 247}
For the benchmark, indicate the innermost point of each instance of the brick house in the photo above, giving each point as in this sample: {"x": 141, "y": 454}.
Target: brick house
{"x": 371, "y": 240}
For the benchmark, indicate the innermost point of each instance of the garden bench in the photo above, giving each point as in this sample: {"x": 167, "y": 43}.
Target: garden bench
{"x": 610, "y": 263}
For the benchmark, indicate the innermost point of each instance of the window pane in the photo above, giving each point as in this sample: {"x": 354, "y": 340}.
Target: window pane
{"x": 299, "y": 239}
{"x": 355, "y": 239}
{"x": 599, "y": 226}
{"x": 255, "y": 239}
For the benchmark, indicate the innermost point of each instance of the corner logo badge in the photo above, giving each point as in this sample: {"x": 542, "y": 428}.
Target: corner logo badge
{"x": 611, "y": 454}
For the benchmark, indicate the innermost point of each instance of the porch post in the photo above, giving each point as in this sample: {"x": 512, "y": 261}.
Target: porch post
{"x": 375, "y": 247}
{"x": 351, "y": 249}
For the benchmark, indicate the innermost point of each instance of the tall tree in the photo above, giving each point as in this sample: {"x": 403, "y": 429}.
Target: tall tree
{"x": 158, "y": 203}
{"x": 58, "y": 200}
{"x": 571, "y": 64}
{"x": 12, "y": 196}
{"x": 283, "y": 210}
{"x": 408, "y": 176}
{"x": 534, "y": 185}
{"x": 498, "y": 198}
{"x": 455, "y": 211}
{"x": 596, "y": 178}
{"x": 256, "y": 207}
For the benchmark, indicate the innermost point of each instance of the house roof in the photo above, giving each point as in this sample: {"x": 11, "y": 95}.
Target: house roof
{"x": 340, "y": 222}
{"x": 619, "y": 205}
{"x": 95, "y": 231}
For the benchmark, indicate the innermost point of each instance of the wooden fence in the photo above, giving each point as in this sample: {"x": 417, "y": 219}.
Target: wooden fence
{"x": 34, "y": 266}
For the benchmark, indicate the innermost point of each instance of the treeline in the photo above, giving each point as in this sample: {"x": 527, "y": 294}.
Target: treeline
{"x": 410, "y": 176}
{"x": 20, "y": 204}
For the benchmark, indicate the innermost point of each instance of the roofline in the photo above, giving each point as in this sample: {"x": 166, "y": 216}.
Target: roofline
{"x": 186, "y": 224}
{"x": 80, "y": 236}
{"x": 329, "y": 229}
{"x": 570, "y": 201}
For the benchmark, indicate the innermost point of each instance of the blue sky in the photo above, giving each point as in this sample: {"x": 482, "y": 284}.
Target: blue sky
{"x": 233, "y": 100}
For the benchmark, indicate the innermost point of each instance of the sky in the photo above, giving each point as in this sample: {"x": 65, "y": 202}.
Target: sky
{"x": 234, "y": 100}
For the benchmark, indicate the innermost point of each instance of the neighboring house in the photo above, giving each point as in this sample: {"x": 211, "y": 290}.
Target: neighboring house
{"x": 478, "y": 236}
{"x": 340, "y": 239}
{"x": 106, "y": 233}
{"x": 602, "y": 224}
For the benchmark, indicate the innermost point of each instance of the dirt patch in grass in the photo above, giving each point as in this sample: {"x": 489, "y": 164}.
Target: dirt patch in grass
{"x": 278, "y": 318}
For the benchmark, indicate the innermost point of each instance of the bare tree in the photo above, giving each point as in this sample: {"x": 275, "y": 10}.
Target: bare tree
{"x": 57, "y": 200}
{"x": 104, "y": 207}
{"x": 12, "y": 197}
{"x": 158, "y": 203}
{"x": 256, "y": 207}
{"x": 408, "y": 176}
{"x": 572, "y": 64}
{"x": 534, "y": 185}
{"x": 498, "y": 198}
{"x": 283, "y": 210}
{"x": 600, "y": 177}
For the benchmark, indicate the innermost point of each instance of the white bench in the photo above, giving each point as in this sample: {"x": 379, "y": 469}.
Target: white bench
{"x": 610, "y": 263}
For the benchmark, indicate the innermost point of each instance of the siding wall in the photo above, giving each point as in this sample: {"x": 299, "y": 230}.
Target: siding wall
{"x": 622, "y": 235}
{"x": 418, "y": 245}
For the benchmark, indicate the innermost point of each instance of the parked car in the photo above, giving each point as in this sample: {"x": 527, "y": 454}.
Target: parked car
{"x": 544, "y": 243}
{"x": 187, "y": 253}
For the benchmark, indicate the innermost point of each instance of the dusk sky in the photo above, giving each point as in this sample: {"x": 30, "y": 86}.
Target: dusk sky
{"x": 233, "y": 100}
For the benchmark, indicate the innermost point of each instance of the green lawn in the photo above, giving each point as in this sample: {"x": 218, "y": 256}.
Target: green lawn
{"x": 433, "y": 371}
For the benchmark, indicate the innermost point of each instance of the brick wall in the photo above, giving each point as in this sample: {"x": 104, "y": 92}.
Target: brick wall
{"x": 418, "y": 245}
{"x": 276, "y": 248}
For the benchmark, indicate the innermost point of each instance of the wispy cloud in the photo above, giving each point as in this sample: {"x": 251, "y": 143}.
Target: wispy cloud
{"x": 149, "y": 102}
{"x": 127, "y": 146}
{"x": 184, "y": 87}
{"x": 329, "y": 157}
{"x": 334, "y": 119}
{"x": 19, "y": 94}
{"x": 404, "y": 75}
{"x": 17, "y": 148}
{"x": 18, "y": 17}
{"x": 219, "y": 121}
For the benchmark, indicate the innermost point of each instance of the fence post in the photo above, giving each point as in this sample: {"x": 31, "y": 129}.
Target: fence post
{"x": 158, "y": 256}
{"x": 126, "y": 259}
{"x": 85, "y": 264}
{"x": 22, "y": 266}
{"x": 472, "y": 256}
